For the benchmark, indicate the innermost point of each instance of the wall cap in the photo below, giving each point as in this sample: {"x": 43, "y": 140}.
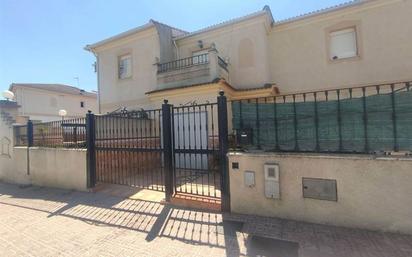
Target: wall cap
{"x": 52, "y": 148}
{"x": 322, "y": 155}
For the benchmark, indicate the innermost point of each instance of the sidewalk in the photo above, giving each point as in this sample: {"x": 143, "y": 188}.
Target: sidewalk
{"x": 38, "y": 221}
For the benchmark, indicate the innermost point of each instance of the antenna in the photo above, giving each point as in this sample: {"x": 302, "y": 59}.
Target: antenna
{"x": 78, "y": 81}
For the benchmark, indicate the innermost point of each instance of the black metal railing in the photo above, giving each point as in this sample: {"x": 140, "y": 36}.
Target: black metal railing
{"x": 178, "y": 150}
{"x": 367, "y": 119}
{"x": 129, "y": 149}
{"x": 222, "y": 63}
{"x": 69, "y": 133}
{"x": 196, "y": 150}
{"x": 183, "y": 63}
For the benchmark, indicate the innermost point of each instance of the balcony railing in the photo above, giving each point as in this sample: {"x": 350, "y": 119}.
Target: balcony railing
{"x": 183, "y": 63}
{"x": 222, "y": 63}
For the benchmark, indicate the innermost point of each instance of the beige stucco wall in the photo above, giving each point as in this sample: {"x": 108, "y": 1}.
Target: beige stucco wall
{"x": 248, "y": 38}
{"x": 15, "y": 169}
{"x": 292, "y": 54}
{"x": 372, "y": 193}
{"x": 115, "y": 92}
{"x": 8, "y": 165}
{"x": 51, "y": 167}
{"x": 299, "y": 56}
{"x": 37, "y": 104}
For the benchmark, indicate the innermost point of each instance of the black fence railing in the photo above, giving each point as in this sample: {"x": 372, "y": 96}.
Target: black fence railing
{"x": 366, "y": 119}
{"x": 63, "y": 133}
{"x": 222, "y": 63}
{"x": 183, "y": 63}
{"x": 128, "y": 149}
{"x": 196, "y": 150}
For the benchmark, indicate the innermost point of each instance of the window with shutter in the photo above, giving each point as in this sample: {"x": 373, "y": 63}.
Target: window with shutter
{"x": 343, "y": 44}
{"x": 125, "y": 66}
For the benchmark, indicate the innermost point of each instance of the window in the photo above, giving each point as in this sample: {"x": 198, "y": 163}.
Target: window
{"x": 82, "y": 104}
{"x": 125, "y": 66}
{"x": 271, "y": 172}
{"x": 343, "y": 44}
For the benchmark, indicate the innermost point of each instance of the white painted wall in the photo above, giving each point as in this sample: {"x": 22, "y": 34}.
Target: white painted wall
{"x": 8, "y": 164}
{"x": 50, "y": 167}
{"x": 115, "y": 92}
{"x": 373, "y": 193}
{"x": 45, "y": 105}
{"x": 299, "y": 50}
{"x": 245, "y": 44}
{"x": 294, "y": 55}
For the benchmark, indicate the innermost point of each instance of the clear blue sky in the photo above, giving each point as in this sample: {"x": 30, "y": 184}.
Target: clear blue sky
{"x": 43, "y": 40}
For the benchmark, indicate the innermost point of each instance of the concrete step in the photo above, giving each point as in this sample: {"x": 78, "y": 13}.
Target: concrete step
{"x": 196, "y": 202}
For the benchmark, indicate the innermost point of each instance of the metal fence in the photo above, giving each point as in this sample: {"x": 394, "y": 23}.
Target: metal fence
{"x": 183, "y": 63}
{"x": 129, "y": 149}
{"x": 64, "y": 133}
{"x": 222, "y": 63}
{"x": 366, "y": 119}
{"x": 196, "y": 150}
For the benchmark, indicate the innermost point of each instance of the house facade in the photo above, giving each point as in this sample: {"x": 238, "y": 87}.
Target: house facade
{"x": 356, "y": 43}
{"x": 42, "y": 102}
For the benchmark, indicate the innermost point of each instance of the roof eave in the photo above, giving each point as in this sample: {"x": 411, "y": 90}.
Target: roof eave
{"x": 266, "y": 11}
{"x": 127, "y": 33}
{"x": 322, "y": 11}
{"x": 82, "y": 93}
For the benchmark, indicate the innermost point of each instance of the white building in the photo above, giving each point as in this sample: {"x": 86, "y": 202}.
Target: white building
{"x": 42, "y": 102}
{"x": 357, "y": 43}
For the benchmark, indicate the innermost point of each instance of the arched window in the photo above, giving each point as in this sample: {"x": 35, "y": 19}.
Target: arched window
{"x": 246, "y": 53}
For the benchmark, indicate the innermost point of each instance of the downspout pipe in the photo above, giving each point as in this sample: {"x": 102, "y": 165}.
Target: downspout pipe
{"x": 88, "y": 48}
{"x": 177, "y": 49}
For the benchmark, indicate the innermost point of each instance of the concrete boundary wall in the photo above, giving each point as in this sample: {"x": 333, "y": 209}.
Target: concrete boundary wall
{"x": 373, "y": 193}
{"x": 50, "y": 167}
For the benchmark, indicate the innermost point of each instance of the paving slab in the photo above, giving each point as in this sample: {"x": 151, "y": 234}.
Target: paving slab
{"x": 37, "y": 221}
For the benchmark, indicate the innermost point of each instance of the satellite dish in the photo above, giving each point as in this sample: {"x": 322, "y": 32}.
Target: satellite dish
{"x": 62, "y": 113}
{"x": 8, "y": 95}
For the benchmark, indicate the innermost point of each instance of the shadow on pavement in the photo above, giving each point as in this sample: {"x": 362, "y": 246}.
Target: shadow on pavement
{"x": 191, "y": 226}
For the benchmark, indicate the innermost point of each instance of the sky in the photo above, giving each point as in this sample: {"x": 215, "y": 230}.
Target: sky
{"x": 42, "y": 41}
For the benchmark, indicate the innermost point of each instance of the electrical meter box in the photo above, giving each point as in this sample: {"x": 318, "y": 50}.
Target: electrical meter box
{"x": 249, "y": 178}
{"x": 272, "y": 180}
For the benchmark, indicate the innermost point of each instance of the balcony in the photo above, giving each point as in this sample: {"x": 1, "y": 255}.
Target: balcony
{"x": 196, "y": 69}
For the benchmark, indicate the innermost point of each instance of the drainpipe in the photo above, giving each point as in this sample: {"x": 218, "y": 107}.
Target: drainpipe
{"x": 177, "y": 49}
{"x": 87, "y": 48}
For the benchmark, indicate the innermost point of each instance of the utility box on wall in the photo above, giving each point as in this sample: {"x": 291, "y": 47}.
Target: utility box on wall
{"x": 249, "y": 178}
{"x": 244, "y": 137}
{"x": 272, "y": 180}
{"x": 321, "y": 189}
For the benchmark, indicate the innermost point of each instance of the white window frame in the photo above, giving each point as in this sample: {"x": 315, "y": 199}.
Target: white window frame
{"x": 129, "y": 73}
{"x": 351, "y": 32}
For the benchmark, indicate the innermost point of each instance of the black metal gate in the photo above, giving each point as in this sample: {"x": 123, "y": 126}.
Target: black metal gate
{"x": 196, "y": 150}
{"x": 129, "y": 150}
{"x": 179, "y": 150}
